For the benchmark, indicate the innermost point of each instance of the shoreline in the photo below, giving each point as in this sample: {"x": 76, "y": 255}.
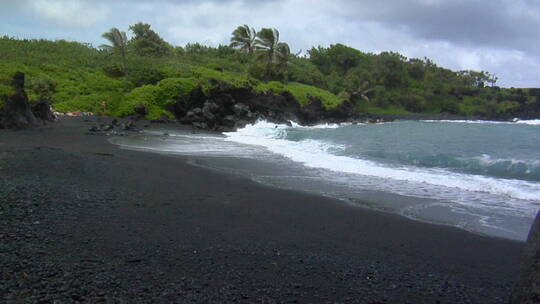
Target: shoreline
{"x": 120, "y": 225}
{"x": 440, "y": 116}
{"x": 356, "y": 203}
{"x": 284, "y": 170}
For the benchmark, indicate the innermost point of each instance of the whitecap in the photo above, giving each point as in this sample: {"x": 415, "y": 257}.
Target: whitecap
{"x": 531, "y": 122}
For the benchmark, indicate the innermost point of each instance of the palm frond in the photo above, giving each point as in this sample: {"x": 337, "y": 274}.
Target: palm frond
{"x": 106, "y": 47}
{"x": 116, "y": 37}
{"x": 118, "y": 45}
{"x": 243, "y": 37}
{"x": 363, "y": 91}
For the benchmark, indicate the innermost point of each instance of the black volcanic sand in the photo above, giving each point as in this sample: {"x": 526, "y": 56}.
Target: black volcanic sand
{"x": 84, "y": 221}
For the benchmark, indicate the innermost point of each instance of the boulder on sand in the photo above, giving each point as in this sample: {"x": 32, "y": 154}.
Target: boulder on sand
{"x": 18, "y": 113}
{"x": 42, "y": 110}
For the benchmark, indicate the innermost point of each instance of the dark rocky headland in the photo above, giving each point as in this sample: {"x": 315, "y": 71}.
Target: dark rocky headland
{"x": 226, "y": 109}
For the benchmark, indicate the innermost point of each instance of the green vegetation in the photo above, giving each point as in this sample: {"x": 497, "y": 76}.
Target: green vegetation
{"x": 146, "y": 71}
{"x": 5, "y": 92}
{"x": 244, "y": 38}
{"x": 118, "y": 45}
{"x": 156, "y": 97}
{"x": 301, "y": 92}
{"x": 146, "y": 42}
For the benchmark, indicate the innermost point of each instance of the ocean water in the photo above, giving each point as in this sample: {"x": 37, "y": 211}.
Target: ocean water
{"x": 477, "y": 175}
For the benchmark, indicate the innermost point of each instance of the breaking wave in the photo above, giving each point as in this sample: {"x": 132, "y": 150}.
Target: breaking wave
{"x": 325, "y": 155}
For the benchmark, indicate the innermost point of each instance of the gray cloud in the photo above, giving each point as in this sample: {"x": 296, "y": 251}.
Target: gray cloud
{"x": 67, "y": 13}
{"x": 498, "y": 23}
{"x": 497, "y": 35}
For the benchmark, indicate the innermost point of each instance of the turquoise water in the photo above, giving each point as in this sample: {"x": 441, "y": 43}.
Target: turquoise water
{"x": 496, "y": 150}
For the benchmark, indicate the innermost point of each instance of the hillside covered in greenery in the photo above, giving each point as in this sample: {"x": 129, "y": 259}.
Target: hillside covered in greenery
{"x": 125, "y": 74}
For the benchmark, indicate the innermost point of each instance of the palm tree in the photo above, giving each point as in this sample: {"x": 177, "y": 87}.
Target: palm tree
{"x": 119, "y": 41}
{"x": 282, "y": 57}
{"x": 243, "y": 37}
{"x": 363, "y": 91}
{"x": 268, "y": 42}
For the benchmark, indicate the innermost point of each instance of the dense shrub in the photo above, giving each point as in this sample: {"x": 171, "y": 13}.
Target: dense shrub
{"x": 44, "y": 88}
{"x": 156, "y": 97}
{"x": 304, "y": 94}
{"x": 450, "y": 106}
{"x": 413, "y": 103}
{"x": 141, "y": 76}
{"x": 210, "y": 79}
{"x": 507, "y": 107}
{"x": 114, "y": 70}
{"x": 171, "y": 88}
{"x": 5, "y": 92}
{"x": 384, "y": 98}
{"x": 147, "y": 95}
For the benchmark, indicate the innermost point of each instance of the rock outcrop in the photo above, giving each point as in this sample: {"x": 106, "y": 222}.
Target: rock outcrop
{"x": 115, "y": 128}
{"x": 527, "y": 288}
{"x": 18, "y": 112}
{"x": 229, "y": 109}
{"x": 42, "y": 110}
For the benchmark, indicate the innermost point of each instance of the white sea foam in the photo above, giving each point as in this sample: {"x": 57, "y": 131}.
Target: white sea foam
{"x": 486, "y": 160}
{"x": 318, "y": 154}
{"x": 468, "y": 121}
{"x": 532, "y": 122}
{"x": 321, "y": 126}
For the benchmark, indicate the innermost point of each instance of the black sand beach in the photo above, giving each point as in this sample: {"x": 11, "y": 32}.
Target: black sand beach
{"x": 84, "y": 221}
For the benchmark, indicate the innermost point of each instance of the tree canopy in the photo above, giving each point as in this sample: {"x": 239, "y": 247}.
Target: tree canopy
{"x": 118, "y": 44}
{"x": 146, "y": 42}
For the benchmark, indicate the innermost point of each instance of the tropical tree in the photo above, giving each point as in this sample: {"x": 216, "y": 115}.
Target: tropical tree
{"x": 267, "y": 42}
{"x": 118, "y": 44}
{"x": 243, "y": 37}
{"x": 272, "y": 50}
{"x": 337, "y": 58}
{"x": 363, "y": 91}
{"x": 390, "y": 70}
{"x": 146, "y": 42}
{"x": 282, "y": 58}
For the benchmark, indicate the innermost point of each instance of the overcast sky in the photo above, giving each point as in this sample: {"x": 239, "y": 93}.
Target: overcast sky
{"x": 499, "y": 36}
